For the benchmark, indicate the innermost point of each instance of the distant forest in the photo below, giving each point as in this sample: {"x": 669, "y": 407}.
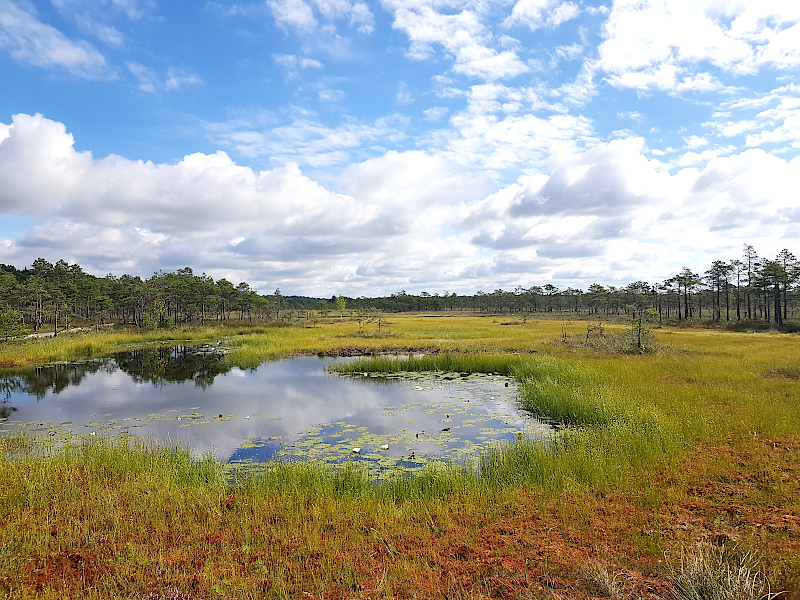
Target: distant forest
{"x": 56, "y": 296}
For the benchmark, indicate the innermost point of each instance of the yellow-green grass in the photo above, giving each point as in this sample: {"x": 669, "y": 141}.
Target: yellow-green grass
{"x": 88, "y": 344}
{"x": 633, "y": 422}
{"x": 252, "y": 344}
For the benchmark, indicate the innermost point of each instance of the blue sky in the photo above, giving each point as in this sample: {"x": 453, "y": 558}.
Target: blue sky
{"x": 345, "y": 146}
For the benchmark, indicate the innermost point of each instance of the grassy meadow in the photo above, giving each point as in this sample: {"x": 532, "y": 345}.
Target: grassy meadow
{"x": 684, "y": 455}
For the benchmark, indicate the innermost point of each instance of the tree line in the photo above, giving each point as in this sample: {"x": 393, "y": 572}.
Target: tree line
{"x": 50, "y": 297}
{"x": 53, "y": 296}
{"x": 750, "y": 288}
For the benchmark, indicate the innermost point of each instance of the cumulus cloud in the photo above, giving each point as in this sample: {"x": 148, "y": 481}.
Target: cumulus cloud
{"x": 504, "y": 127}
{"x": 612, "y": 215}
{"x": 402, "y": 220}
{"x": 39, "y": 167}
{"x": 206, "y": 211}
{"x": 653, "y": 44}
{"x": 32, "y": 42}
{"x": 295, "y": 14}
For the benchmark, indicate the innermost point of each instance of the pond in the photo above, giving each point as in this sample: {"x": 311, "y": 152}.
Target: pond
{"x": 289, "y": 409}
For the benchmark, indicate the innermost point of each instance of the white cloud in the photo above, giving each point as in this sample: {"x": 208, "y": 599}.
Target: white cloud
{"x": 693, "y": 142}
{"x": 328, "y": 95}
{"x": 178, "y": 78}
{"x": 145, "y": 77}
{"x": 109, "y": 35}
{"x": 403, "y": 95}
{"x": 208, "y": 212}
{"x": 701, "y": 82}
{"x": 151, "y": 82}
{"x": 435, "y": 113}
{"x": 611, "y": 215}
{"x": 305, "y": 139}
{"x": 295, "y": 14}
{"x": 581, "y": 90}
{"x": 570, "y": 52}
{"x": 32, "y": 42}
{"x": 133, "y": 9}
{"x": 95, "y": 17}
{"x": 304, "y": 17}
{"x": 689, "y": 159}
{"x": 542, "y": 13}
{"x": 38, "y": 166}
{"x": 403, "y": 220}
{"x": 769, "y": 118}
{"x": 462, "y": 36}
{"x": 504, "y": 128}
{"x": 650, "y": 43}
{"x": 294, "y": 65}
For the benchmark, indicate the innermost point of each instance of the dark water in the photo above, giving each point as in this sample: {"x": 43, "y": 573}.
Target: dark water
{"x": 290, "y": 409}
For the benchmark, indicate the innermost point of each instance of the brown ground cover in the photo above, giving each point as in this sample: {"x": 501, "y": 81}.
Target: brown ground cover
{"x": 515, "y": 544}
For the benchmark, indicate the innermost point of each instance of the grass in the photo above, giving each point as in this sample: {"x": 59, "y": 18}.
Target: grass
{"x": 720, "y": 574}
{"x": 81, "y": 345}
{"x": 694, "y": 444}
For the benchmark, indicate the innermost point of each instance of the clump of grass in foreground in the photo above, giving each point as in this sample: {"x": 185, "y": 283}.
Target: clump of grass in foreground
{"x": 40, "y": 474}
{"x": 720, "y": 574}
{"x": 614, "y": 586}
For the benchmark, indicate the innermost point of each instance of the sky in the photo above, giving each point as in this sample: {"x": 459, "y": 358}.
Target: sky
{"x": 366, "y": 147}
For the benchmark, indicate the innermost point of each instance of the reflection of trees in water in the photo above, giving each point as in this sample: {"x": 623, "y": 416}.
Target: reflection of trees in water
{"x": 56, "y": 378}
{"x": 5, "y": 409}
{"x": 155, "y": 365}
{"x": 182, "y": 363}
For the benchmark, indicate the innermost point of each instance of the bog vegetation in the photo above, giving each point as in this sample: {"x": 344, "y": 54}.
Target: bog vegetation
{"x": 671, "y": 470}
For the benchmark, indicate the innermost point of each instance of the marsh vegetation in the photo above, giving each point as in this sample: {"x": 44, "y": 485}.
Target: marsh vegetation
{"x": 693, "y": 446}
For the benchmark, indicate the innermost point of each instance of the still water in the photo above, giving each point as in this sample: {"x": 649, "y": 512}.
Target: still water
{"x": 290, "y": 409}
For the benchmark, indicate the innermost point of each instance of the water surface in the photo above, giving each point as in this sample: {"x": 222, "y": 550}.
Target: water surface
{"x": 289, "y": 409}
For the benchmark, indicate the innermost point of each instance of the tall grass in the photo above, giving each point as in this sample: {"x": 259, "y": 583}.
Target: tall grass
{"x": 354, "y": 481}
{"x": 609, "y": 432}
{"x": 41, "y": 474}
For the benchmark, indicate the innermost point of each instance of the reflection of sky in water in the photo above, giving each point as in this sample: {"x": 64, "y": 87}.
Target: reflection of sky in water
{"x": 292, "y": 409}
